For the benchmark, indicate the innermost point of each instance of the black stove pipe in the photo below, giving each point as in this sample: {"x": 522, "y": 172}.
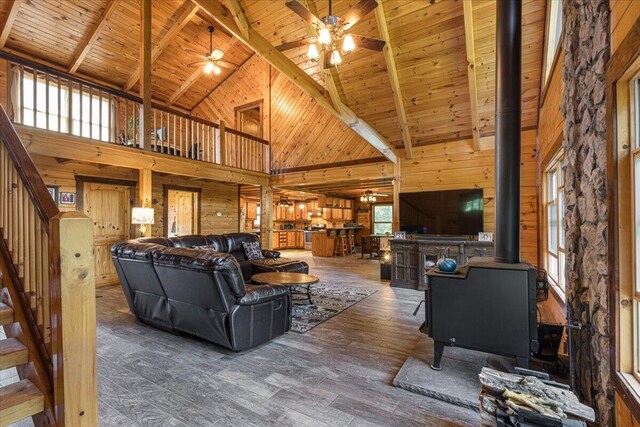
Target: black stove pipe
{"x": 508, "y": 75}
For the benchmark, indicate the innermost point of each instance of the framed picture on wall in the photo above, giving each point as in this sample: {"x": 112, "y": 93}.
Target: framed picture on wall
{"x": 485, "y": 237}
{"x": 67, "y": 198}
{"x": 400, "y": 235}
{"x": 53, "y": 190}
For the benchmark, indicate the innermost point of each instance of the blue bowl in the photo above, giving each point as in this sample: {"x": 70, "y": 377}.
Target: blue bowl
{"x": 447, "y": 264}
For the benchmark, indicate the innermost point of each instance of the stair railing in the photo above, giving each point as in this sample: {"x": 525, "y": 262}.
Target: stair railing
{"x": 48, "y": 258}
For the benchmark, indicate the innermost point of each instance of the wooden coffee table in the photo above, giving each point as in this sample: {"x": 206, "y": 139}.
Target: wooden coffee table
{"x": 298, "y": 283}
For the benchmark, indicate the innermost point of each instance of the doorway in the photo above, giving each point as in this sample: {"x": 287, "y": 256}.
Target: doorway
{"x": 182, "y": 211}
{"x": 249, "y": 118}
{"x": 108, "y": 204}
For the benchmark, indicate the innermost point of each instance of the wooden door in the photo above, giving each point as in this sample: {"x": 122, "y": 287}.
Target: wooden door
{"x": 108, "y": 206}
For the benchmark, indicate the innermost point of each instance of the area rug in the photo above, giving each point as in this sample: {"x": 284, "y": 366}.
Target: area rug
{"x": 328, "y": 301}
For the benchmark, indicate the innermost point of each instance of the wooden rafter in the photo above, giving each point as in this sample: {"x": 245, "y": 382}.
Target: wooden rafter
{"x": 92, "y": 36}
{"x": 392, "y": 70}
{"x": 9, "y": 19}
{"x": 239, "y": 17}
{"x": 471, "y": 71}
{"x": 261, "y": 46}
{"x": 186, "y": 85}
{"x": 185, "y": 13}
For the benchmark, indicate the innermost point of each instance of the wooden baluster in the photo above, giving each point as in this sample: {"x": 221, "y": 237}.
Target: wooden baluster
{"x": 46, "y": 294}
{"x": 37, "y": 246}
{"x": 59, "y": 104}
{"x": 174, "y": 135}
{"x": 46, "y": 97}
{"x": 3, "y": 186}
{"x": 21, "y": 229}
{"x": 31, "y": 259}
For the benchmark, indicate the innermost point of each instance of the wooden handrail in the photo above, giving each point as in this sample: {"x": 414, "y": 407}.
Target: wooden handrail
{"x": 246, "y": 135}
{"x": 43, "y": 203}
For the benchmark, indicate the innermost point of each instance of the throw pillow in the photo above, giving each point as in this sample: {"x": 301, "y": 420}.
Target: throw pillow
{"x": 252, "y": 250}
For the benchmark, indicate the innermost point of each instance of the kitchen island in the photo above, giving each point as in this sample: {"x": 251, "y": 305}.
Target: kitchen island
{"x": 323, "y": 243}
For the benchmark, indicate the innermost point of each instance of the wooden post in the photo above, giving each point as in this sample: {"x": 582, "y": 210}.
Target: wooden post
{"x": 223, "y": 143}
{"x": 397, "y": 185}
{"x": 145, "y": 193}
{"x": 145, "y": 73}
{"x": 72, "y": 233}
{"x": 266, "y": 217}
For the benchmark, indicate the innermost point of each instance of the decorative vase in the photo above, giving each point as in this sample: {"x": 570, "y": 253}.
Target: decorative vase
{"x": 447, "y": 264}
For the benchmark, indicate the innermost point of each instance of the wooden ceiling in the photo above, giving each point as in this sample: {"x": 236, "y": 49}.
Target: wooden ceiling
{"x": 433, "y": 42}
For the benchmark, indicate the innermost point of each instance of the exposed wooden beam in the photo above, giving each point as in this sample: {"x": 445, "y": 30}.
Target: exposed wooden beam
{"x": 392, "y": 70}
{"x": 92, "y": 36}
{"x": 239, "y": 17}
{"x": 471, "y": 71}
{"x": 185, "y": 14}
{"x": 186, "y": 85}
{"x": 9, "y": 19}
{"x": 261, "y": 46}
{"x": 145, "y": 78}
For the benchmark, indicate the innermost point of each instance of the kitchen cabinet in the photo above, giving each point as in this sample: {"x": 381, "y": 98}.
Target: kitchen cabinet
{"x": 288, "y": 239}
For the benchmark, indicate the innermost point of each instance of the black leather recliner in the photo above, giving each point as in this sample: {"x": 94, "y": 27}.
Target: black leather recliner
{"x": 232, "y": 244}
{"x": 198, "y": 292}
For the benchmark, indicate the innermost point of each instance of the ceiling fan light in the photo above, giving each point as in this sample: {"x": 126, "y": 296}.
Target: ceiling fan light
{"x": 348, "y": 44}
{"x": 209, "y": 67}
{"x": 335, "y": 58}
{"x": 313, "y": 53}
{"x": 216, "y": 70}
{"x": 324, "y": 36}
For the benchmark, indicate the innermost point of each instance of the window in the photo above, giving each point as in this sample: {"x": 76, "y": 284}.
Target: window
{"x": 382, "y": 219}
{"x": 554, "y": 31}
{"x": 627, "y": 303}
{"x": 42, "y": 101}
{"x": 555, "y": 253}
{"x": 182, "y": 214}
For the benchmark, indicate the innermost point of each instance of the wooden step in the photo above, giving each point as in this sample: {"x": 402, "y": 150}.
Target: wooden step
{"x": 6, "y": 314}
{"x": 19, "y": 401}
{"x": 12, "y": 353}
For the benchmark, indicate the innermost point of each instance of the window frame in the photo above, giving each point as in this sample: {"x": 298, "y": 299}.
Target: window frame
{"x": 550, "y": 62}
{"x": 555, "y": 165}
{"x": 373, "y": 216}
{"x": 622, "y": 68}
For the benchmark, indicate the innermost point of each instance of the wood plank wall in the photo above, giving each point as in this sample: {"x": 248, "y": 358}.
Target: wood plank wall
{"x": 216, "y": 197}
{"x": 301, "y": 132}
{"x": 624, "y": 13}
{"x": 551, "y": 124}
{"x": 455, "y": 165}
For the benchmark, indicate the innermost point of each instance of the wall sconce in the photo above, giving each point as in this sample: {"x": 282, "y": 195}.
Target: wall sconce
{"x": 142, "y": 217}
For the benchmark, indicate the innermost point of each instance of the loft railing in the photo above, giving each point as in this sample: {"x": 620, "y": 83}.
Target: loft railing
{"x": 46, "y": 258}
{"x": 47, "y": 99}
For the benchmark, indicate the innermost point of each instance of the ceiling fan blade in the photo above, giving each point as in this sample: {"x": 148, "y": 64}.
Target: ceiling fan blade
{"x": 292, "y": 45}
{"x": 196, "y": 64}
{"x": 368, "y": 42}
{"x": 226, "y": 64}
{"x": 193, "y": 52}
{"x": 304, "y": 13}
{"x": 358, "y": 12}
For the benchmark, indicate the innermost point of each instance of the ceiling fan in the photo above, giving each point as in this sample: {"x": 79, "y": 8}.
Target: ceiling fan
{"x": 370, "y": 197}
{"x": 333, "y": 37}
{"x": 212, "y": 59}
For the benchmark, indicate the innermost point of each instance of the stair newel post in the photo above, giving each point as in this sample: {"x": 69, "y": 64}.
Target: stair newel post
{"x": 74, "y": 310}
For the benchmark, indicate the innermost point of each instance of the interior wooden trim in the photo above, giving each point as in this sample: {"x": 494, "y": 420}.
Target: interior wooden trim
{"x": 544, "y": 82}
{"x": 165, "y": 203}
{"x": 618, "y": 64}
{"x": 330, "y": 165}
{"x": 83, "y": 179}
{"x": 248, "y": 106}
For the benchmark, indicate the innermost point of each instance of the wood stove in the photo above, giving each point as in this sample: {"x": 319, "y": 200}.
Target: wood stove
{"x": 490, "y": 304}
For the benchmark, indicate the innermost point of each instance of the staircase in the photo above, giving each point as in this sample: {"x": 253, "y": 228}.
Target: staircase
{"x": 47, "y": 286}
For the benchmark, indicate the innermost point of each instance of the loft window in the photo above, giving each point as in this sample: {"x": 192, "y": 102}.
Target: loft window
{"x": 382, "y": 219}
{"x": 42, "y": 101}
{"x": 554, "y": 31}
{"x": 555, "y": 252}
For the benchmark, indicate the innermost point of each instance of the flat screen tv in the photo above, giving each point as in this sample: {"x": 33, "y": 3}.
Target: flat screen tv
{"x": 453, "y": 212}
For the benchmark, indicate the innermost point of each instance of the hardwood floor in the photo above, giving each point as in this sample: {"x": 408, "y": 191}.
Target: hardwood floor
{"x": 337, "y": 374}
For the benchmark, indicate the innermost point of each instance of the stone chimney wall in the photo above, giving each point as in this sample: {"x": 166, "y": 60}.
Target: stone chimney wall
{"x": 587, "y": 50}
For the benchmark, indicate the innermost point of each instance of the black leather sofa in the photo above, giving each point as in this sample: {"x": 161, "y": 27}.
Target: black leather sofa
{"x": 199, "y": 292}
{"x": 232, "y": 244}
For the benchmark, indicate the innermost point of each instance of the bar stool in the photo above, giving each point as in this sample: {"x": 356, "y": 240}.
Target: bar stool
{"x": 351, "y": 242}
{"x": 341, "y": 245}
